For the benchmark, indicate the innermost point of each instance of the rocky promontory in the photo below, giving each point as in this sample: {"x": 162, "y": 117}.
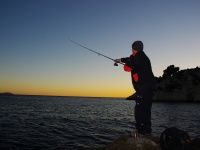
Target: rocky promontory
{"x": 175, "y": 85}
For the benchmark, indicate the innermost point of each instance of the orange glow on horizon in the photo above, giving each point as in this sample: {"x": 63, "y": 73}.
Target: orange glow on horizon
{"x": 63, "y": 91}
{"x": 67, "y": 87}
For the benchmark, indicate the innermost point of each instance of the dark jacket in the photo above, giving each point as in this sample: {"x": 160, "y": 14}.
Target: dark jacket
{"x": 140, "y": 67}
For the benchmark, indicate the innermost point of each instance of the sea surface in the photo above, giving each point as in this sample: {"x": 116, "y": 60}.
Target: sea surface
{"x": 48, "y": 122}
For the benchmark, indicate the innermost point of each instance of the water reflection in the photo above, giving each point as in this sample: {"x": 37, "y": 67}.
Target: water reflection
{"x": 181, "y": 115}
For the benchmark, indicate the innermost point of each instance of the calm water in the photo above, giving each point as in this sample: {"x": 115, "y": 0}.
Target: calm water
{"x": 35, "y": 122}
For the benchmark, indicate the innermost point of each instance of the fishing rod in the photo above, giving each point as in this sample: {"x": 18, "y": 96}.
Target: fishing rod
{"x": 115, "y": 64}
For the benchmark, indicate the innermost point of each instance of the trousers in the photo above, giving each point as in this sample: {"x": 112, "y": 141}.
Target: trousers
{"x": 143, "y": 106}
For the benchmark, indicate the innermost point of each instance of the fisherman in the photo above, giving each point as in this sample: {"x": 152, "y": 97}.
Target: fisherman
{"x": 143, "y": 82}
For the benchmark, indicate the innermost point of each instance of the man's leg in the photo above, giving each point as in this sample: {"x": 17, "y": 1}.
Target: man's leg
{"x": 143, "y": 111}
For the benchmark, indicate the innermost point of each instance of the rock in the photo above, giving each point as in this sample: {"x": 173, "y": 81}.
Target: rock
{"x": 142, "y": 143}
{"x": 196, "y": 144}
{"x": 182, "y": 86}
{"x": 131, "y": 97}
{"x": 126, "y": 142}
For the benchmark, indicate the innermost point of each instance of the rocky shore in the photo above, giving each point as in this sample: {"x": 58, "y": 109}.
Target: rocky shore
{"x": 126, "y": 142}
{"x": 181, "y": 86}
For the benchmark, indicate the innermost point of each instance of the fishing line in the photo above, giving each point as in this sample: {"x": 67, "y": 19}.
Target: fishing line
{"x": 115, "y": 64}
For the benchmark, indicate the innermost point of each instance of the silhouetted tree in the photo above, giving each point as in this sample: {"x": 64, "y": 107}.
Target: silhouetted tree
{"x": 171, "y": 70}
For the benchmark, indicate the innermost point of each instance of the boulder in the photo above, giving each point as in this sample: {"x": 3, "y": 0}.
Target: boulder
{"x": 125, "y": 142}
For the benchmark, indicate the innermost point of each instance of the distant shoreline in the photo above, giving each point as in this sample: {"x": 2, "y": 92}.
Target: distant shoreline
{"x": 154, "y": 101}
{"x": 6, "y": 93}
{"x": 11, "y": 94}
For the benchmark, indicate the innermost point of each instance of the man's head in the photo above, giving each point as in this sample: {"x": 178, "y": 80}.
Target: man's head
{"x": 137, "y": 46}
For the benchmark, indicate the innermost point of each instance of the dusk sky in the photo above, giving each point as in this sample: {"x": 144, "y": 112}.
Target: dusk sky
{"x": 37, "y": 58}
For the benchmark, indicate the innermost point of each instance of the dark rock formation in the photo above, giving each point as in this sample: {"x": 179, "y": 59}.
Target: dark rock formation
{"x": 184, "y": 85}
{"x": 177, "y": 85}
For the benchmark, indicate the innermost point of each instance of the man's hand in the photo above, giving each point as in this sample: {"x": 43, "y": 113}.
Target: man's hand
{"x": 117, "y": 60}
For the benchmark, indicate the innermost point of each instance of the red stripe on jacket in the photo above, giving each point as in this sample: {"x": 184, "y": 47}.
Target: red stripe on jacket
{"x": 128, "y": 69}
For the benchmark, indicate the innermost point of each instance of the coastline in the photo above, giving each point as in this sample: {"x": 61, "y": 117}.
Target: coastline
{"x": 11, "y": 94}
{"x": 164, "y": 97}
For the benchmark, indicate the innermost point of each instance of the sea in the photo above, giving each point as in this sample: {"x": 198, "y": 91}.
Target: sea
{"x": 75, "y": 123}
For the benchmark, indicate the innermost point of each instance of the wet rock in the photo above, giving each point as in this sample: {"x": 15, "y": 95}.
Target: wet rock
{"x": 196, "y": 144}
{"x": 126, "y": 142}
{"x": 142, "y": 143}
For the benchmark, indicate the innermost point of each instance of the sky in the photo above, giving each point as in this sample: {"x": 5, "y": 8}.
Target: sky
{"x": 37, "y": 58}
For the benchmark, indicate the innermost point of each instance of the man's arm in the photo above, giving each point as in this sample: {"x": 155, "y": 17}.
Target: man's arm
{"x": 124, "y": 60}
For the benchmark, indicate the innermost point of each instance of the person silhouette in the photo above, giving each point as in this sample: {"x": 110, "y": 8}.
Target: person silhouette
{"x": 143, "y": 81}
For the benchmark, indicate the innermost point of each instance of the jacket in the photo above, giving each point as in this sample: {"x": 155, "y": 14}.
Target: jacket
{"x": 140, "y": 67}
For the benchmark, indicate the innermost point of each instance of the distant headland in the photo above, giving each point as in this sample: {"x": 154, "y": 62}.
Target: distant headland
{"x": 6, "y": 93}
{"x": 177, "y": 85}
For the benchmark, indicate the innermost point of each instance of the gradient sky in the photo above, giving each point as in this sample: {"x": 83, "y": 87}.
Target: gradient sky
{"x": 37, "y": 58}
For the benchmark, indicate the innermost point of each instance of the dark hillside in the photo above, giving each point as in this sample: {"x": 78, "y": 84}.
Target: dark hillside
{"x": 175, "y": 85}
{"x": 182, "y": 85}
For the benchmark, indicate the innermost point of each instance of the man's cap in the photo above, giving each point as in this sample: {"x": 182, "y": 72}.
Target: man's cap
{"x": 137, "y": 45}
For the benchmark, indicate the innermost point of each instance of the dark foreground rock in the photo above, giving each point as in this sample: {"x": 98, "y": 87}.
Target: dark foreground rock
{"x": 126, "y": 142}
